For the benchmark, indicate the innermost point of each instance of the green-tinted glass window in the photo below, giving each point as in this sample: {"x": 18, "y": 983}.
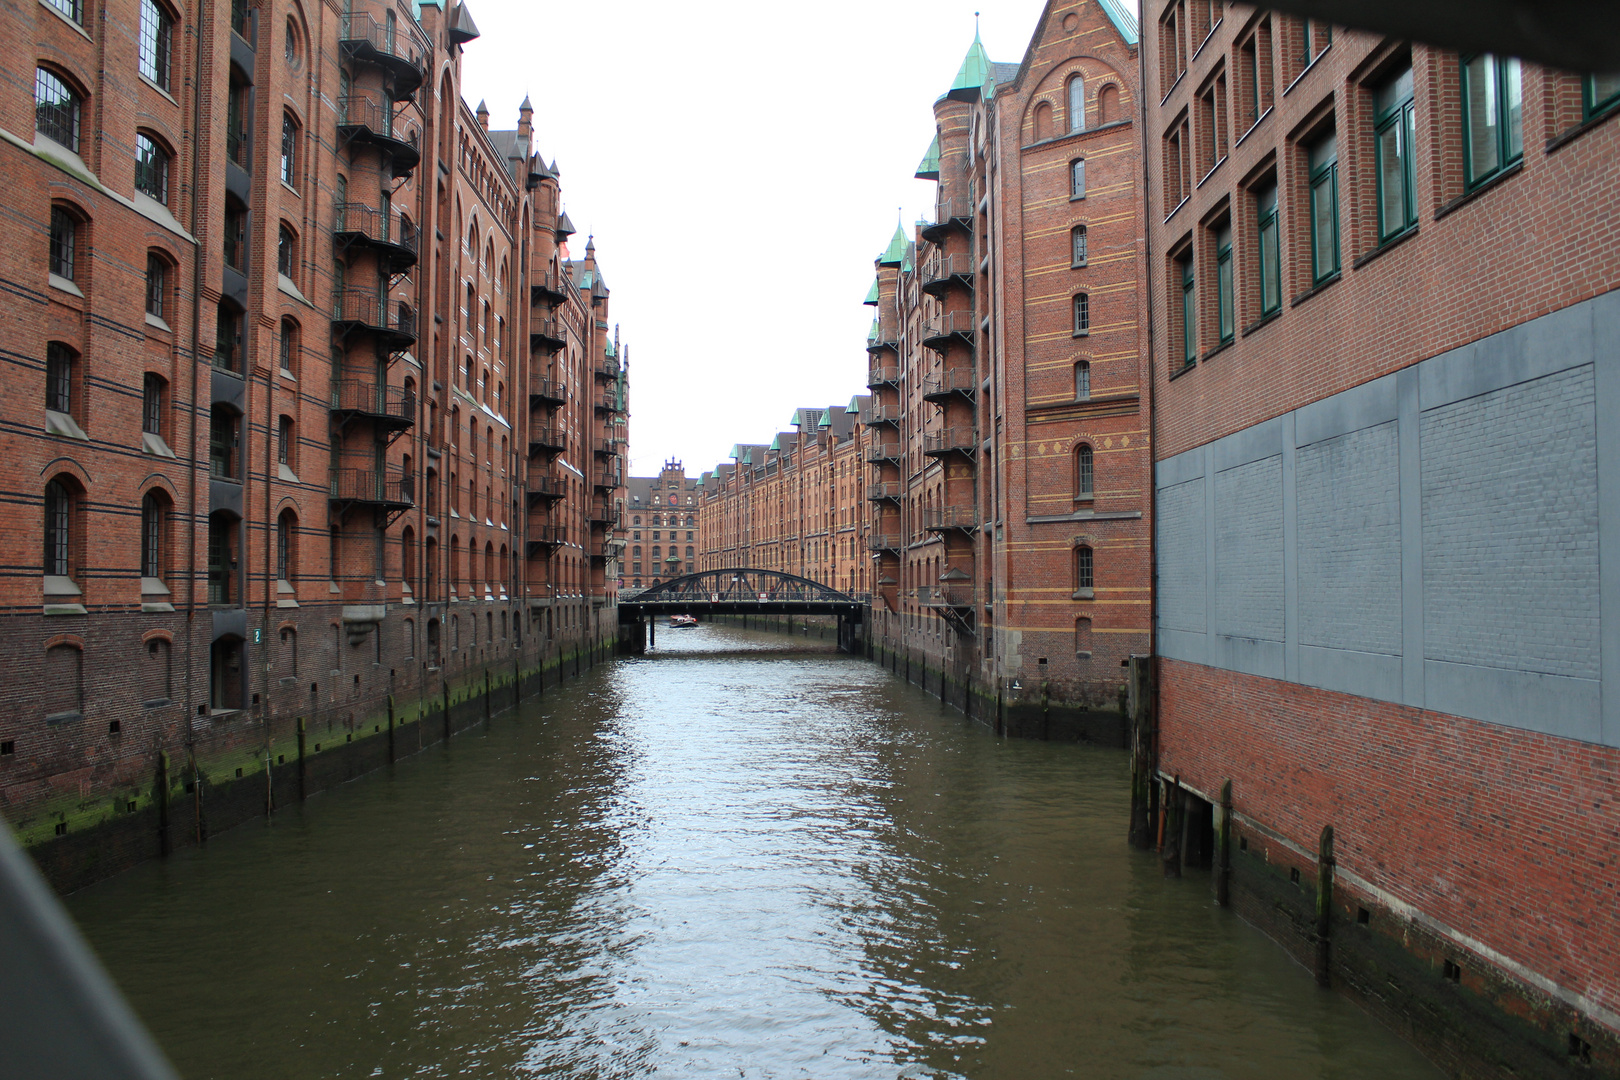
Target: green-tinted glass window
{"x": 1223, "y": 282}
{"x": 1324, "y": 208}
{"x": 1189, "y": 314}
{"x": 1602, "y": 93}
{"x": 1270, "y": 275}
{"x": 1394, "y": 126}
{"x": 1493, "y": 120}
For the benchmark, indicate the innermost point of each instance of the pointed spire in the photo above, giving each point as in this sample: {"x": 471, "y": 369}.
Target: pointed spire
{"x": 590, "y": 243}
{"x": 974, "y": 72}
{"x": 895, "y": 253}
{"x": 482, "y": 112}
{"x": 928, "y": 167}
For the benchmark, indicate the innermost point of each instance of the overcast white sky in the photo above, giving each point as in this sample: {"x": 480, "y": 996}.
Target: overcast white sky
{"x": 741, "y": 164}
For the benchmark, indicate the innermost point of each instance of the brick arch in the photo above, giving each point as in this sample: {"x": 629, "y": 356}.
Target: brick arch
{"x": 157, "y": 635}
{"x": 289, "y": 502}
{"x": 1053, "y": 88}
{"x": 74, "y": 640}
{"x": 68, "y": 465}
{"x": 159, "y": 481}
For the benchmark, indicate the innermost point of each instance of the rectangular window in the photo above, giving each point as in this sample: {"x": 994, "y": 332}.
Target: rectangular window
{"x": 151, "y": 169}
{"x": 284, "y": 442}
{"x": 156, "y": 31}
{"x": 1189, "y": 312}
{"x": 1077, "y": 246}
{"x": 1083, "y": 577}
{"x": 227, "y": 339}
{"x": 222, "y": 447}
{"x": 236, "y": 236}
{"x": 152, "y": 405}
{"x": 1077, "y": 178}
{"x": 1394, "y": 125}
{"x": 1324, "y": 163}
{"x": 236, "y": 123}
{"x": 1212, "y": 139}
{"x": 1082, "y": 314}
{"x": 58, "y": 378}
{"x": 1318, "y": 36}
{"x": 1599, "y": 94}
{"x": 1172, "y": 44}
{"x": 1493, "y": 116}
{"x": 1223, "y": 283}
{"x": 64, "y": 234}
{"x": 289, "y": 152}
{"x": 73, "y": 9}
{"x": 1270, "y": 276}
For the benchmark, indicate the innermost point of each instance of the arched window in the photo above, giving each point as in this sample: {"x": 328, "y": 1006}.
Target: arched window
{"x": 157, "y": 35}
{"x": 286, "y": 545}
{"x": 1082, "y": 638}
{"x": 61, "y": 377}
{"x": 156, "y": 673}
{"x": 287, "y": 251}
{"x": 1077, "y": 104}
{"x": 151, "y": 168}
{"x": 1077, "y": 246}
{"x": 407, "y": 556}
{"x": 1083, "y": 569}
{"x": 154, "y": 536}
{"x": 1082, "y": 313}
{"x": 157, "y": 286}
{"x": 1108, "y": 104}
{"x": 295, "y": 55}
{"x": 289, "y": 150}
{"x": 57, "y": 109}
{"x": 1077, "y": 178}
{"x": 64, "y": 242}
{"x": 1082, "y": 380}
{"x": 1082, "y": 472}
{"x": 1043, "y": 121}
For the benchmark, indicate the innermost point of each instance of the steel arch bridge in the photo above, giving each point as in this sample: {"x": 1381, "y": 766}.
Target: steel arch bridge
{"x": 741, "y": 591}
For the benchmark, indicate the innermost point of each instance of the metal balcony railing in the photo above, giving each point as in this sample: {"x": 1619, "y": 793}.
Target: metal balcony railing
{"x": 544, "y": 488}
{"x": 941, "y": 270}
{"x": 953, "y": 381}
{"x": 383, "y": 487}
{"x": 544, "y": 390}
{"x": 951, "y": 440}
{"x": 549, "y": 334}
{"x": 608, "y": 368}
{"x": 951, "y": 517}
{"x": 355, "y": 222}
{"x": 887, "y": 491}
{"x": 370, "y": 399}
{"x": 883, "y": 338}
{"x": 391, "y": 46}
{"x": 360, "y": 309}
{"x": 543, "y": 537}
{"x": 937, "y": 332}
{"x": 609, "y": 480}
{"x": 363, "y": 119}
{"x": 876, "y": 541}
{"x": 604, "y": 514}
{"x": 945, "y": 596}
{"x": 883, "y": 375}
{"x": 883, "y": 414}
{"x": 547, "y": 437}
{"x": 546, "y": 287}
{"x": 952, "y": 213}
{"x": 883, "y": 451}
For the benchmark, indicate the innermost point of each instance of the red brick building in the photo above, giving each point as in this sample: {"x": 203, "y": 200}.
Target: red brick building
{"x": 1384, "y": 362}
{"x": 331, "y": 421}
{"x": 665, "y": 536}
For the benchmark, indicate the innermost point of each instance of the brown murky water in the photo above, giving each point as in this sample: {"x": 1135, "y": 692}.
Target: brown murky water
{"x": 733, "y": 858}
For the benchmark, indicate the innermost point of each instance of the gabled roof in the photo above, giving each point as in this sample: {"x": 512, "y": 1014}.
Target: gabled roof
{"x": 895, "y": 253}
{"x": 1123, "y": 18}
{"x": 462, "y": 27}
{"x": 928, "y": 167}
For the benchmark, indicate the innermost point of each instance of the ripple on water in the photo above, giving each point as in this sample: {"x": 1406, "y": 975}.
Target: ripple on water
{"x": 733, "y": 857}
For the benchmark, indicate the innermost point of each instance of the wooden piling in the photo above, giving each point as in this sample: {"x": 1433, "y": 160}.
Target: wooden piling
{"x": 1176, "y": 816}
{"x": 1223, "y": 848}
{"x": 1324, "y": 906}
{"x": 303, "y": 768}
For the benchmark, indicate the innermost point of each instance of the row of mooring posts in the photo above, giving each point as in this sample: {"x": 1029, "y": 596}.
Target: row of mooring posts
{"x": 1188, "y": 831}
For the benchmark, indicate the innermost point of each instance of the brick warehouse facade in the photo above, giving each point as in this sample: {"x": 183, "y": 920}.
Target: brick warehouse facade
{"x": 664, "y": 528}
{"x": 329, "y": 453}
{"x": 1385, "y": 474}
{"x": 1006, "y": 434}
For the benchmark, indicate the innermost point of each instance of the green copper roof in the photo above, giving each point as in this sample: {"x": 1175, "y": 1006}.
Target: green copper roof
{"x": 776, "y": 444}
{"x": 906, "y": 264}
{"x": 1122, "y": 17}
{"x": 973, "y": 74}
{"x": 854, "y": 405}
{"x": 872, "y": 293}
{"x": 895, "y": 254}
{"x": 873, "y": 334}
{"x": 928, "y": 167}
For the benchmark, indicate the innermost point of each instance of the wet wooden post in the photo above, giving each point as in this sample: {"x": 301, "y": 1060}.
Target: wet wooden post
{"x": 1175, "y": 814}
{"x": 163, "y": 802}
{"x": 1223, "y": 849}
{"x": 390, "y": 729}
{"x": 1324, "y": 906}
{"x": 1139, "y": 705}
{"x": 303, "y": 768}
{"x": 445, "y": 687}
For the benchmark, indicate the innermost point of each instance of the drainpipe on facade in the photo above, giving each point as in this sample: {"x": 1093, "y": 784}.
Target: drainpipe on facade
{"x": 196, "y": 378}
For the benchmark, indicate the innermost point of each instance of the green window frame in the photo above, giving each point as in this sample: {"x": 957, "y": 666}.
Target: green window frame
{"x": 1324, "y": 160}
{"x": 1189, "y": 313}
{"x": 1226, "y": 320}
{"x": 1395, "y": 166}
{"x": 1270, "y": 249}
{"x": 1493, "y": 116}
{"x": 1599, "y": 94}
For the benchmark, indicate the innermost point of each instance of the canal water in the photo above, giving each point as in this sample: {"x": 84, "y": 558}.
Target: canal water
{"x": 736, "y": 857}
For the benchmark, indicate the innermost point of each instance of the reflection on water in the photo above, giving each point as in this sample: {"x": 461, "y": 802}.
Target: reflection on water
{"x": 735, "y": 857}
